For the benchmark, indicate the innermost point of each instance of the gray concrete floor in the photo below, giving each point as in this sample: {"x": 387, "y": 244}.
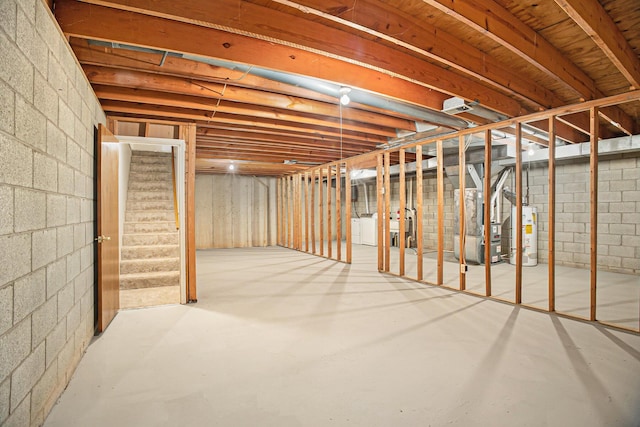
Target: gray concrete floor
{"x": 282, "y": 338}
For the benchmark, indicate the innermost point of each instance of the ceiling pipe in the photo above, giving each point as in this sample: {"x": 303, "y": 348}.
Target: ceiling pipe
{"x": 321, "y": 86}
{"x": 331, "y": 89}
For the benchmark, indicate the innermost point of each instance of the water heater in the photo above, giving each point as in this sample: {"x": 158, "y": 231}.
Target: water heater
{"x": 529, "y": 236}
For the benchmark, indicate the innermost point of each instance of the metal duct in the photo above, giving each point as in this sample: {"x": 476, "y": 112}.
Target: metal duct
{"x": 331, "y": 89}
{"x": 311, "y": 83}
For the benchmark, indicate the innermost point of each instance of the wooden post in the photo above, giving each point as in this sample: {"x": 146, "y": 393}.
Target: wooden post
{"x": 278, "y": 210}
{"x": 190, "y": 131}
{"x": 387, "y": 211}
{"x": 418, "y": 223}
{"x": 487, "y": 212}
{"x": 312, "y": 209}
{"x": 461, "y": 199}
{"x": 321, "y": 218}
{"x": 347, "y": 198}
{"x": 402, "y": 222}
{"x": 380, "y": 191}
{"x": 518, "y": 229}
{"x": 329, "y": 237}
{"x": 440, "y": 186}
{"x": 338, "y": 212}
{"x": 290, "y": 211}
{"x": 552, "y": 213}
{"x": 593, "y": 165}
{"x": 299, "y": 210}
{"x": 306, "y": 211}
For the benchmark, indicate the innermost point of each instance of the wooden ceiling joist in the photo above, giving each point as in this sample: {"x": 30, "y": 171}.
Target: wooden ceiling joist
{"x": 269, "y": 113}
{"x": 491, "y": 19}
{"x": 593, "y": 19}
{"x": 89, "y": 21}
{"x": 318, "y": 42}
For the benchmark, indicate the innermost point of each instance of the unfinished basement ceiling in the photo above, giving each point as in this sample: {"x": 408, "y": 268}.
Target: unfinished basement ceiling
{"x": 259, "y": 77}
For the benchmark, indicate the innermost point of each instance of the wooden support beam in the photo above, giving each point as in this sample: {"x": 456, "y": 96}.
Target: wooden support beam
{"x": 593, "y": 192}
{"x": 440, "y": 186}
{"x": 506, "y": 29}
{"x": 552, "y": 213}
{"x": 321, "y": 215}
{"x": 402, "y": 222}
{"x": 304, "y": 40}
{"x": 419, "y": 196}
{"x": 462, "y": 172}
{"x": 338, "y": 212}
{"x": 312, "y": 211}
{"x": 387, "y": 211}
{"x": 347, "y": 198}
{"x": 306, "y": 211}
{"x": 518, "y": 230}
{"x": 329, "y": 217}
{"x": 380, "y": 196}
{"x": 290, "y": 198}
{"x": 73, "y": 18}
{"x": 488, "y": 226}
{"x": 299, "y": 211}
{"x": 279, "y": 211}
{"x": 596, "y": 22}
{"x": 429, "y": 41}
{"x": 189, "y": 136}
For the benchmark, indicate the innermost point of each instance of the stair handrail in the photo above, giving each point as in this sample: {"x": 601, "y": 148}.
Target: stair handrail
{"x": 175, "y": 196}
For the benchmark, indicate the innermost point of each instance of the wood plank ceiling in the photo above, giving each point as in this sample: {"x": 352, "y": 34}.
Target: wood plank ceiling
{"x": 261, "y": 78}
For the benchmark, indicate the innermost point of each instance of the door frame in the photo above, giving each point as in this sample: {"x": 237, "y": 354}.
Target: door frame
{"x": 180, "y": 146}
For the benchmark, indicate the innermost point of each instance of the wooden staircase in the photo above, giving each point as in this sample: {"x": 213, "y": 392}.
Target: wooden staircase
{"x": 150, "y": 257}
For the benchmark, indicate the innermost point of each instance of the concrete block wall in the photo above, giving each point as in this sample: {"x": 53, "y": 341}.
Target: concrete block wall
{"x": 47, "y": 117}
{"x": 618, "y": 212}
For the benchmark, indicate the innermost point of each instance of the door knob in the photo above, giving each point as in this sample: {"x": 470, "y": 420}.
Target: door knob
{"x": 100, "y": 239}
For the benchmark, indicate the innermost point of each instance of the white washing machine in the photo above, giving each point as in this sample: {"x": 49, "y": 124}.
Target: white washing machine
{"x": 369, "y": 231}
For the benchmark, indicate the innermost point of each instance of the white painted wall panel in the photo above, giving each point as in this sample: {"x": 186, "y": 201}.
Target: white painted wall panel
{"x": 235, "y": 211}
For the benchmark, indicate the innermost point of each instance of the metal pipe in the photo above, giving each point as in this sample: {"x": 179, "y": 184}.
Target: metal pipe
{"x": 332, "y": 89}
{"x": 496, "y": 198}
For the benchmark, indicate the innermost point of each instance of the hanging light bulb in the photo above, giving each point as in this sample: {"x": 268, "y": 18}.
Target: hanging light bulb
{"x": 531, "y": 150}
{"x": 344, "y": 99}
{"x": 232, "y": 167}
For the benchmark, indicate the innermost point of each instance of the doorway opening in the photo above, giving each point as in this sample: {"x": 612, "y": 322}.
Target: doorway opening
{"x": 152, "y": 217}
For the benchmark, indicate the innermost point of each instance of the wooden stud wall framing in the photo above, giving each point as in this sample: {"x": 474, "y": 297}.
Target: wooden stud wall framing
{"x": 518, "y": 213}
{"x": 329, "y": 218}
{"x": 552, "y": 213}
{"x": 306, "y": 211}
{"x": 487, "y": 213}
{"x": 321, "y": 216}
{"x": 593, "y": 165}
{"x": 338, "y": 212}
{"x": 381, "y": 210}
{"x": 383, "y": 163}
{"x": 347, "y": 198}
{"x": 312, "y": 209}
{"x": 419, "y": 212}
{"x": 402, "y": 222}
{"x": 440, "y": 185}
{"x": 461, "y": 199}
{"x": 387, "y": 211}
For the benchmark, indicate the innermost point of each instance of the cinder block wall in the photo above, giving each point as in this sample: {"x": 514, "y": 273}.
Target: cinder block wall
{"x": 618, "y": 212}
{"x": 47, "y": 117}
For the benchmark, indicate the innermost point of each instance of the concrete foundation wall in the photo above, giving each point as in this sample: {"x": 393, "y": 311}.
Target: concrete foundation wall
{"x": 47, "y": 117}
{"x": 234, "y": 211}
